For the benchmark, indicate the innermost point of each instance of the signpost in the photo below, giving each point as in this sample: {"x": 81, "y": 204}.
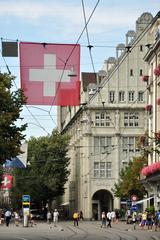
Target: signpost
{"x": 26, "y": 208}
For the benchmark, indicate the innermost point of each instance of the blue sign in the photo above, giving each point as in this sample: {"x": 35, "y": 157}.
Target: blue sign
{"x": 26, "y": 198}
{"x": 134, "y": 208}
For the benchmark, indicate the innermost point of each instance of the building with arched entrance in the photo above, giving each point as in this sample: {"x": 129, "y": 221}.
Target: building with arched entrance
{"x": 105, "y": 128}
{"x": 102, "y": 200}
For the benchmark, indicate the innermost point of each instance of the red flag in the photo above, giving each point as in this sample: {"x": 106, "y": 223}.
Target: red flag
{"x": 6, "y": 183}
{"x": 45, "y": 73}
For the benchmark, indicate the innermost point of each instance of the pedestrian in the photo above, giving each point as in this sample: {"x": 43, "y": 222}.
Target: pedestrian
{"x": 134, "y": 219}
{"x": 75, "y": 218}
{"x": 8, "y": 217}
{"x": 55, "y": 217}
{"x": 157, "y": 220}
{"x": 49, "y": 217}
{"x": 109, "y": 219}
{"x": 16, "y": 218}
{"x": 2, "y": 218}
{"x": 117, "y": 216}
{"x": 143, "y": 220}
{"x": 113, "y": 216}
{"x": 103, "y": 217}
{"x": 81, "y": 215}
{"x": 149, "y": 221}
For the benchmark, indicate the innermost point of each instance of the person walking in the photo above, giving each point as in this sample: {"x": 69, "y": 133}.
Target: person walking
{"x": 134, "y": 219}
{"x": 55, "y": 217}
{"x": 81, "y": 215}
{"x": 16, "y": 218}
{"x": 8, "y": 217}
{"x": 109, "y": 219}
{"x": 75, "y": 218}
{"x": 49, "y": 217}
{"x": 103, "y": 217}
{"x": 113, "y": 216}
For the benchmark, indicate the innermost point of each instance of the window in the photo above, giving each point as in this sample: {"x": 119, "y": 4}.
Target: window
{"x": 103, "y": 169}
{"x": 131, "y": 119}
{"x": 141, "y": 48}
{"x": 140, "y": 72}
{"x": 102, "y": 145}
{"x": 96, "y": 169}
{"x": 97, "y": 119}
{"x": 131, "y": 72}
{"x": 102, "y": 119}
{"x": 140, "y": 96}
{"x": 108, "y": 169}
{"x": 131, "y": 96}
{"x": 121, "y": 96}
{"x": 111, "y": 96}
{"x": 129, "y": 144}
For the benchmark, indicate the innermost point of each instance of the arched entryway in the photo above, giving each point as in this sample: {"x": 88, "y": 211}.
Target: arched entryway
{"x": 102, "y": 200}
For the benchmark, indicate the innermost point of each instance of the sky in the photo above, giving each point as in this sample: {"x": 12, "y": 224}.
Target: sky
{"x": 62, "y": 21}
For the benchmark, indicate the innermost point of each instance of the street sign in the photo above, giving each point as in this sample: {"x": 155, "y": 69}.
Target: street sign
{"x": 134, "y": 208}
{"x": 26, "y": 201}
{"x": 26, "y": 198}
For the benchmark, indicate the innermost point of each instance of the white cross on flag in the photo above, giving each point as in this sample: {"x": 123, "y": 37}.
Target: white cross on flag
{"x": 47, "y": 73}
{"x": 6, "y": 183}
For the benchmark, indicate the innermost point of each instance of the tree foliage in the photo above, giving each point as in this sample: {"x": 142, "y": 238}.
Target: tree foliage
{"x": 44, "y": 179}
{"x": 11, "y": 103}
{"x": 129, "y": 182}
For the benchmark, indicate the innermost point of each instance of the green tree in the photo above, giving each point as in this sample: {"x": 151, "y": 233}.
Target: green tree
{"x": 129, "y": 182}
{"x": 11, "y": 103}
{"x": 48, "y": 172}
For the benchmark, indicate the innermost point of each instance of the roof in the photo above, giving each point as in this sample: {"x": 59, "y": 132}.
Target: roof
{"x": 87, "y": 78}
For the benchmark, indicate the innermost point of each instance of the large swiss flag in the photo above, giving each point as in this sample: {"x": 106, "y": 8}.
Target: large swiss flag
{"x": 50, "y": 73}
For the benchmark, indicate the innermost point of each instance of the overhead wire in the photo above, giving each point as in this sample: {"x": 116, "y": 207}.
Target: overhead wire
{"x": 73, "y": 49}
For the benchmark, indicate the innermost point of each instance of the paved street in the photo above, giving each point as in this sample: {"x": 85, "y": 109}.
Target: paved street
{"x": 86, "y": 230}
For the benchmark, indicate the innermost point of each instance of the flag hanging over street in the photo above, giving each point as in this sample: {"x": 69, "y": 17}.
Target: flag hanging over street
{"x": 6, "y": 183}
{"x": 50, "y": 73}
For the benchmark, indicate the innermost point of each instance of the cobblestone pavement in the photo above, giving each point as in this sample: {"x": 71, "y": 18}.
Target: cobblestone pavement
{"x": 86, "y": 230}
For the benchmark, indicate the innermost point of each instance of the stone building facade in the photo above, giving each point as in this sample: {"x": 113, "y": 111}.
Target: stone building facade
{"x": 151, "y": 173}
{"x": 104, "y": 129}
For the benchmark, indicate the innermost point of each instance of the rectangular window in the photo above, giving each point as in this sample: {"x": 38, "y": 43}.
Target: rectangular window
{"x": 96, "y": 145}
{"x": 121, "y": 96}
{"x": 102, "y": 145}
{"x": 97, "y": 119}
{"x": 129, "y": 144}
{"x": 131, "y": 119}
{"x": 140, "y": 72}
{"x": 108, "y": 120}
{"x": 111, "y": 96}
{"x": 102, "y": 119}
{"x": 131, "y": 72}
{"x": 131, "y": 96}
{"x": 140, "y": 96}
{"x": 102, "y": 169}
{"x": 108, "y": 169}
{"x": 141, "y": 48}
{"x": 96, "y": 169}
{"x": 125, "y": 144}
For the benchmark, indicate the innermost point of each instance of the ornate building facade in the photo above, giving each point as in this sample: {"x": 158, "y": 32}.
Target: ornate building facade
{"x": 104, "y": 129}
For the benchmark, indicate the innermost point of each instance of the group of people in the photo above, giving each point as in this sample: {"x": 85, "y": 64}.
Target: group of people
{"x": 53, "y": 217}
{"x": 6, "y": 215}
{"x": 146, "y": 220}
{"x": 109, "y": 217}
